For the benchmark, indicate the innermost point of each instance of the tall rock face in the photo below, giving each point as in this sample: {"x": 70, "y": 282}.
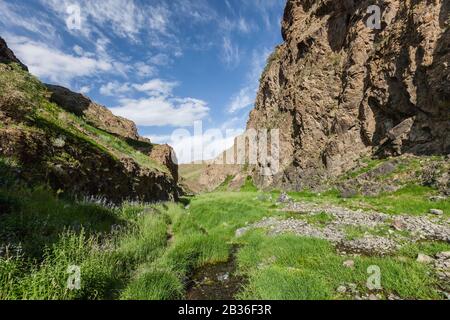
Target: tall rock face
{"x": 165, "y": 155}
{"x": 340, "y": 90}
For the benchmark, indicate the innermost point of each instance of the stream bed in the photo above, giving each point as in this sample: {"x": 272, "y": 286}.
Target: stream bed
{"x": 216, "y": 281}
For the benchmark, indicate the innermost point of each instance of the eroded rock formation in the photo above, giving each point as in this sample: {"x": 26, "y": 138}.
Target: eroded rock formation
{"x": 52, "y": 136}
{"x": 7, "y": 56}
{"x": 341, "y": 91}
{"x": 97, "y": 115}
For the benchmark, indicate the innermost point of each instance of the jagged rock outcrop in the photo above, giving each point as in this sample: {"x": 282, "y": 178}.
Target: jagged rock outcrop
{"x": 63, "y": 139}
{"x": 95, "y": 114}
{"x": 340, "y": 90}
{"x": 165, "y": 155}
{"x": 7, "y": 56}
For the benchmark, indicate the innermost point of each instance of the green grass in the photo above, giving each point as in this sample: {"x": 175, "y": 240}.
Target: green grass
{"x": 31, "y": 98}
{"x": 274, "y": 56}
{"x": 411, "y": 199}
{"x": 154, "y": 284}
{"x": 249, "y": 186}
{"x": 321, "y": 219}
{"x": 191, "y": 171}
{"x": 142, "y": 251}
{"x": 225, "y": 184}
{"x": 42, "y": 235}
{"x": 370, "y": 164}
{"x": 121, "y": 146}
{"x": 152, "y": 250}
{"x": 290, "y": 267}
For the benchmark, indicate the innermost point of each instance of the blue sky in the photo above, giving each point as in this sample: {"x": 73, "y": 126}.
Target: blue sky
{"x": 162, "y": 64}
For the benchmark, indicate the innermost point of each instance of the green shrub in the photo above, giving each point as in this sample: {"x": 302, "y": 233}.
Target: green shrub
{"x": 249, "y": 186}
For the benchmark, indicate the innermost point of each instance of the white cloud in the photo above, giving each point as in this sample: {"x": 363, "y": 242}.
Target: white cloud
{"x": 144, "y": 70}
{"x": 161, "y": 59}
{"x": 12, "y": 15}
{"x": 238, "y": 24}
{"x": 85, "y": 89}
{"x": 55, "y": 65}
{"x": 162, "y": 111}
{"x": 115, "y": 89}
{"x": 124, "y": 17}
{"x": 78, "y": 50}
{"x": 243, "y": 99}
{"x": 230, "y": 52}
{"x": 156, "y": 87}
{"x": 247, "y": 94}
{"x": 159, "y": 108}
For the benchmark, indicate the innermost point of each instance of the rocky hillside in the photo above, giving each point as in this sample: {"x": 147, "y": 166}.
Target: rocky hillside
{"x": 52, "y": 135}
{"x": 342, "y": 91}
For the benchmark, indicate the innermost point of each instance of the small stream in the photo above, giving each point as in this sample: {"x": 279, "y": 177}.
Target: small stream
{"x": 216, "y": 282}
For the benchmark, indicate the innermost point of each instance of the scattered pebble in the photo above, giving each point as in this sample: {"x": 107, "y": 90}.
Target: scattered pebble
{"x": 349, "y": 264}
{"x": 223, "y": 277}
{"x": 418, "y": 228}
{"x": 423, "y": 258}
{"x": 284, "y": 198}
{"x": 342, "y": 289}
{"x": 437, "y": 212}
{"x": 374, "y": 297}
{"x": 393, "y": 297}
{"x": 438, "y": 198}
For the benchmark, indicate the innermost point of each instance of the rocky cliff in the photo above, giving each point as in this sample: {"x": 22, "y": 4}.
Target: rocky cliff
{"x": 95, "y": 114}
{"x": 7, "y": 56}
{"x": 50, "y": 135}
{"x": 342, "y": 91}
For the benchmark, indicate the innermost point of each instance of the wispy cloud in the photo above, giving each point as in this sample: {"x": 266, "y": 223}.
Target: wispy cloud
{"x": 156, "y": 87}
{"x": 245, "y": 98}
{"x": 127, "y": 48}
{"x": 115, "y": 89}
{"x": 247, "y": 94}
{"x": 163, "y": 111}
{"x": 124, "y": 17}
{"x": 55, "y": 65}
{"x": 37, "y": 23}
{"x": 211, "y": 144}
{"x": 160, "y": 107}
{"x": 230, "y": 53}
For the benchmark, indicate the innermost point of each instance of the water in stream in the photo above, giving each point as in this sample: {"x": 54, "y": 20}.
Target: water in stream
{"x": 216, "y": 282}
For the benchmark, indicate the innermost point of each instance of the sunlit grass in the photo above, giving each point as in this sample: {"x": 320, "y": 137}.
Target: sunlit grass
{"x": 291, "y": 267}
{"x": 143, "y": 251}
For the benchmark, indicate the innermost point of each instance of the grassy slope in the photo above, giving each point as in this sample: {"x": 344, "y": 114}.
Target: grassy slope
{"x": 147, "y": 251}
{"x": 191, "y": 172}
{"x": 48, "y": 117}
{"x": 411, "y": 200}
